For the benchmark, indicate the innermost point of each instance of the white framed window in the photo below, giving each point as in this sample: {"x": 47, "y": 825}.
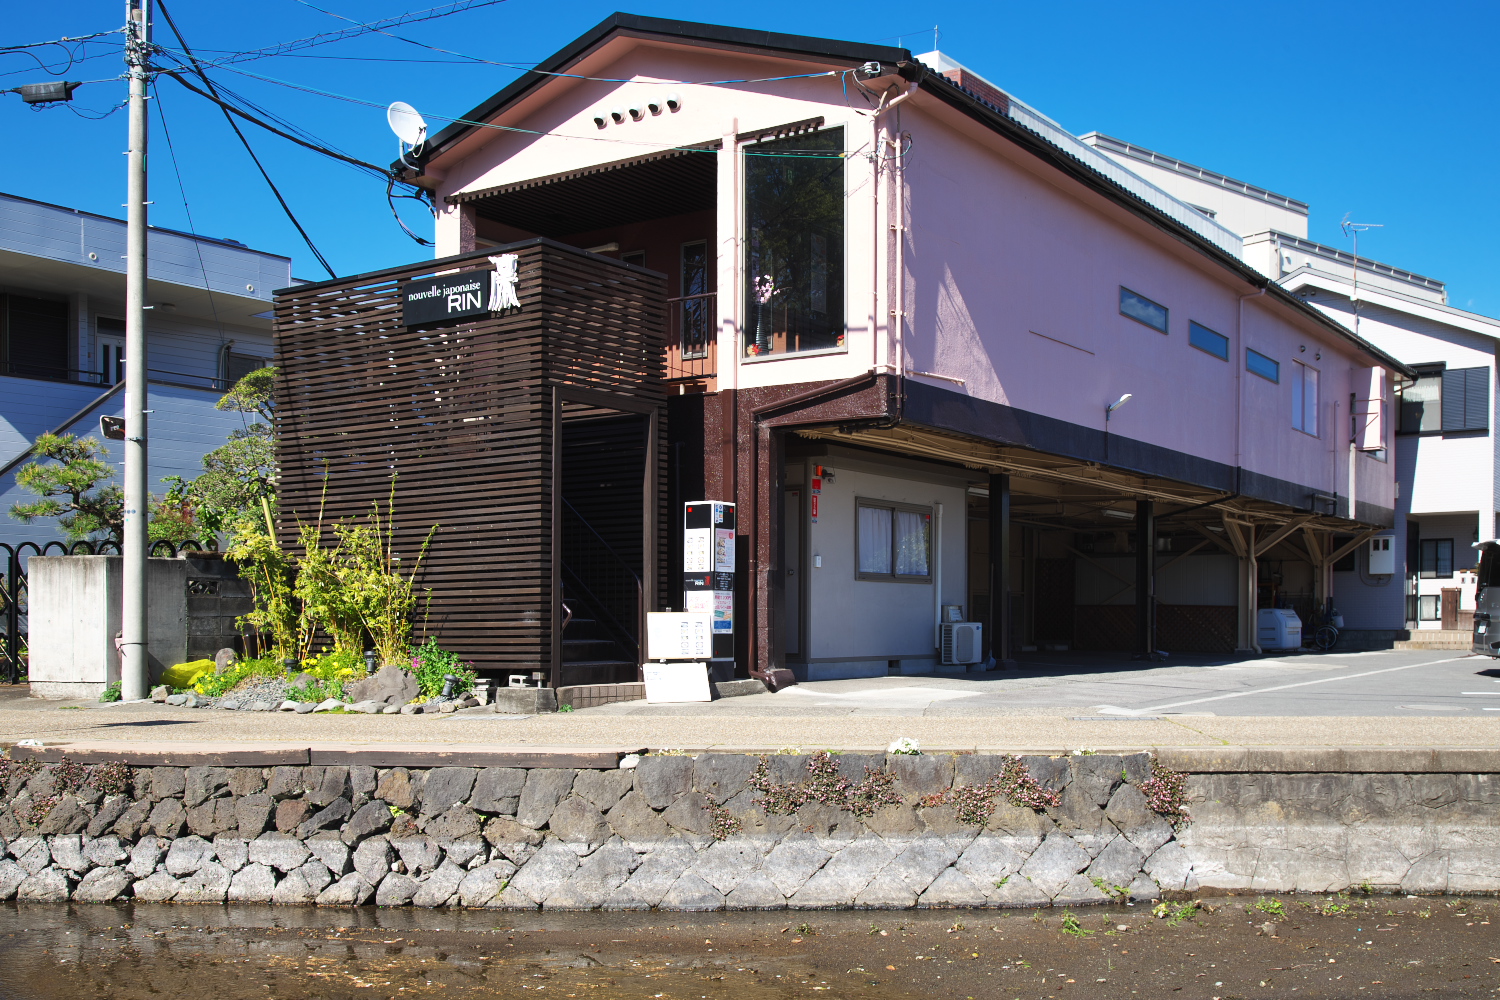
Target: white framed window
{"x": 1431, "y": 607}
{"x": 893, "y": 542}
{"x": 1304, "y": 398}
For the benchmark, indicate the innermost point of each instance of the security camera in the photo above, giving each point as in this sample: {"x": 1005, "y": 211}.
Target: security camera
{"x": 600, "y": 121}
{"x": 637, "y": 112}
{"x": 674, "y": 102}
{"x": 654, "y": 105}
{"x": 618, "y": 114}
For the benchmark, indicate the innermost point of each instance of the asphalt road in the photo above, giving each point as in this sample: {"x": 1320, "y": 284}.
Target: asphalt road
{"x": 1402, "y": 683}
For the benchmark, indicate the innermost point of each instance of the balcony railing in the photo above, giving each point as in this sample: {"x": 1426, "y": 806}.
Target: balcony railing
{"x": 692, "y": 341}
{"x": 46, "y": 373}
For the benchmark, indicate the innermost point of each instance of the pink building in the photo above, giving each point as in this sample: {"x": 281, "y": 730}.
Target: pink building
{"x": 905, "y": 311}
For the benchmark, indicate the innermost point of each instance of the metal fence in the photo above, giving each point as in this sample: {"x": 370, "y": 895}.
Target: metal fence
{"x": 13, "y": 593}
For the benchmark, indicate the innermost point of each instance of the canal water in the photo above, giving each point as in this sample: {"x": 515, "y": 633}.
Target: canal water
{"x": 1226, "y": 948}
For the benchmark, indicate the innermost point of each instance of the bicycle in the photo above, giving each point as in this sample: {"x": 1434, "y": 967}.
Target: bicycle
{"x": 1325, "y": 632}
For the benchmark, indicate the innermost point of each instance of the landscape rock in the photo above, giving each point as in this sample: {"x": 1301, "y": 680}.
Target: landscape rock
{"x": 390, "y": 685}
{"x": 231, "y": 852}
{"x": 31, "y": 853}
{"x": 328, "y": 705}
{"x": 224, "y": 661}
{"x": 315, "y": 874}
{"x": 65, "y": 817}
{"x": 109, "y": 813}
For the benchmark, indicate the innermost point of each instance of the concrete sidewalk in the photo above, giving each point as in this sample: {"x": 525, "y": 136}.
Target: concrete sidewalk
{"x": 1040, "y": 732}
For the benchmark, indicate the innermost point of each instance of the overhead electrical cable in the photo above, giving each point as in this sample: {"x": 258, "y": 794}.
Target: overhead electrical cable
{"x": 228, "y": 117}
{"x": 655, "y": 146}
{"x": 166, "y": 132}
{"x": 412, "y": 17}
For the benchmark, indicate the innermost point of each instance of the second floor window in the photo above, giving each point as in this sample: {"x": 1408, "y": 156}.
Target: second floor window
{"x": 1446, "y": 401}
{"x": 1304, "y": 398}
{"x": 794, "y": 247}
{"x": 1437, "y": 558}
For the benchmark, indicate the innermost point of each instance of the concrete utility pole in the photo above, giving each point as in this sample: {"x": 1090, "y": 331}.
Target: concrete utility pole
{"x": 135, "y": 672}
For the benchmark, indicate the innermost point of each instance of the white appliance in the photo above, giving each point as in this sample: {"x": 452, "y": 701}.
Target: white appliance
{"x": 962, "y": 642}
{"x": 1279, "y": 628}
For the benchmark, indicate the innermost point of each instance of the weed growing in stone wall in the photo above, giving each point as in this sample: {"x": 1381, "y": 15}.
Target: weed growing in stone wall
{"x": 721, "y": 824}
{"x": 974, "y": 804}
{"x": 69, "y": 776}
{"x": 112, "y": 777}
{"x": 1166, "y": 793}
{"x": 36, "y": 810}
{"x": 19, "y": 770}
{"x": 825, "y": 785}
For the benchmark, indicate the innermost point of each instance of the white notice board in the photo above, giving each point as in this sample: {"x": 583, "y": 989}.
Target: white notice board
{"x": 676, "y": 682}
{"x": 672, "y": 635}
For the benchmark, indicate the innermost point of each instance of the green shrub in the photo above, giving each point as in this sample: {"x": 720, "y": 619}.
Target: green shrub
{"x": 215, "y": 685}
{"x": 328, "y": 672}
{"x": 111, "y": 693}
{"x": 430, "y": 662}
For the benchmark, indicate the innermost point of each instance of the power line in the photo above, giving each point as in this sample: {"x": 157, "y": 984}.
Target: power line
{"x": 657, "y": 147}
{"x": 161, "y": 115}
{"x": 411, "y": 17}
{"x": 245, "y": 142}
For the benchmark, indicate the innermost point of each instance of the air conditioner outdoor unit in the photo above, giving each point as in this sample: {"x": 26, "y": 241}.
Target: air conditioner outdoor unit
{"x": 962, "y": 642}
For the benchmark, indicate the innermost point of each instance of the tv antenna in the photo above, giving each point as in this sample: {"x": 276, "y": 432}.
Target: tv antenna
{"x": 410, "y": 128}
{"x": 1353, "y": 229}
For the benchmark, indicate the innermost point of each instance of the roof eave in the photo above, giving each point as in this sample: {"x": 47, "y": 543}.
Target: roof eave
{"x": 801, "y": 46}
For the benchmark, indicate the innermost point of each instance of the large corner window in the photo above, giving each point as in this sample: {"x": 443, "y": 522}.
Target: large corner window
{"x": 794, "y": 250}
{"x": 1304, "y": 398}
{"x": 893, "y": 541}
{"x": 1448, "y": 401}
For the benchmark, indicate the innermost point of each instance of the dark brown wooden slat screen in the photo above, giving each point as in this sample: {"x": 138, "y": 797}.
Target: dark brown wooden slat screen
{"x": 462, "y": 414}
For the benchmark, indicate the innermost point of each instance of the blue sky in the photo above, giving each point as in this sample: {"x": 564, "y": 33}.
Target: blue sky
{"x": 1375, "y": 108}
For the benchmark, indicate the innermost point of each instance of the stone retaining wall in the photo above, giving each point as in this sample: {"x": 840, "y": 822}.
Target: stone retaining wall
{"x": 649, "y": 836}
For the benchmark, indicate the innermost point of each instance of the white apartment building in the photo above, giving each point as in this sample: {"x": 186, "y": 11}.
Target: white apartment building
{"x": 1445, "y": 450}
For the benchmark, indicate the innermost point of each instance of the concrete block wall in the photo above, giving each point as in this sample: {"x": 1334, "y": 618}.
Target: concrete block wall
{"x": 74, "y": 615}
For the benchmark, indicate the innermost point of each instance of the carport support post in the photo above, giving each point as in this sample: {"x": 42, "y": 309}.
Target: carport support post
{"x": 1000, "y": 623}
{"x": 1145, "y": 579}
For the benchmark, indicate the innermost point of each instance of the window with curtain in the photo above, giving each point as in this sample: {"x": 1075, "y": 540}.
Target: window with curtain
{"x": 794, "y": 246}
{"x": 1422, "y": 405}
{"x": 894, "y": 542}
{"x": 1304, "y": 398}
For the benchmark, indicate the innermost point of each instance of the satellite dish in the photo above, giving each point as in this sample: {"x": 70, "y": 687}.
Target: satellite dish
{"x": 408, "y": 125}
